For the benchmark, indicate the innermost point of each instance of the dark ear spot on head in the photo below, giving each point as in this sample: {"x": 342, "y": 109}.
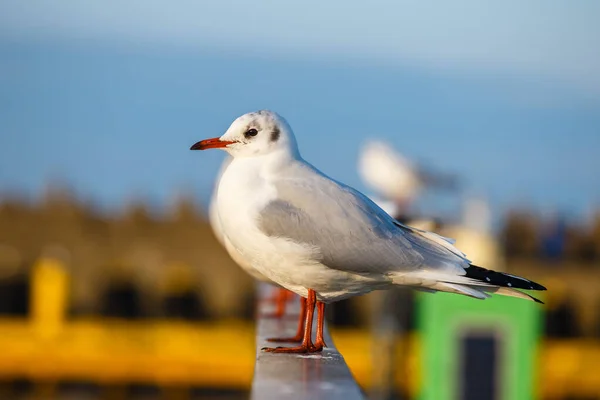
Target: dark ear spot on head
{"x": 275, "y": 134}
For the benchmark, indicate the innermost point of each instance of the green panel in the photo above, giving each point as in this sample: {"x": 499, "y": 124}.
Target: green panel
{"x": 443, "y": 318}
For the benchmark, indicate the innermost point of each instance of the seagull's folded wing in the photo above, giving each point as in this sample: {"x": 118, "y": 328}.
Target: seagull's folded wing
{"x": 349, "y": 232}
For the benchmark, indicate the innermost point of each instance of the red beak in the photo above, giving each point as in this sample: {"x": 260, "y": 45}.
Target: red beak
{"x": 214, "y": 143}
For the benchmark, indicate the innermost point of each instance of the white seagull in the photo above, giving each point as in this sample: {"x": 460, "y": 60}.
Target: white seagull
{"x": 395, "y": 177}
{"x": 322, "y": 239}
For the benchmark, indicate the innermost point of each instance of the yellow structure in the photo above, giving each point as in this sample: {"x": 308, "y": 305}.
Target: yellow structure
{"x": 50, "y": 347}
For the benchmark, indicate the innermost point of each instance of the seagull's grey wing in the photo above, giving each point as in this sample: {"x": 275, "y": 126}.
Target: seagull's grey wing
{"x": 347, "y": 230}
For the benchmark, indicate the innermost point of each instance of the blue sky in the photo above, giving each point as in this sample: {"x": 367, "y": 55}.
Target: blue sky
{"x": 108, "y": 96}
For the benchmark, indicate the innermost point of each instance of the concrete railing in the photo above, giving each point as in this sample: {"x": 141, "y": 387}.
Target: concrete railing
{"x": 298, "y": 376}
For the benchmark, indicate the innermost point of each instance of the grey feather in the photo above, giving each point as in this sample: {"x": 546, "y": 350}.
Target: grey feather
{"x": 347, "y": 230}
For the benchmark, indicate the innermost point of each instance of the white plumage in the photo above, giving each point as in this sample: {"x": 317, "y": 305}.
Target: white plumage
{"x": 298, "y": 228}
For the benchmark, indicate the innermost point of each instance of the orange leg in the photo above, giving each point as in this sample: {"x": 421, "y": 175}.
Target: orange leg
{"x": 289, "y": 295}
{"x": 280, "y": 299}
{"x": 320, "y": 341}
{"x": 307, "y": 346}
{"x": 274, "y": 295}
{"x": 300, "y": 331}
{"x": 277, "y": 293}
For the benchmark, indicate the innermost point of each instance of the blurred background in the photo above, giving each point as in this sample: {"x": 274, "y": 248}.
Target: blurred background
{"x": 478, "y": 121}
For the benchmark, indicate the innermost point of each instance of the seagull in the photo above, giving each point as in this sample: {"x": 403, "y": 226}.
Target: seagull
{"x": 388, "y": 172}
{"x": 324, "y": 240}
{"x": 395, "y": 178}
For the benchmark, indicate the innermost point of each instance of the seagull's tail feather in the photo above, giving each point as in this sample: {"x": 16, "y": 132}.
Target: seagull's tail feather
{"x": 511, "y": 293}
{"x": 479, "y": 283}
{"x": 466, "y": 290}
{"x": 478, "y": 292}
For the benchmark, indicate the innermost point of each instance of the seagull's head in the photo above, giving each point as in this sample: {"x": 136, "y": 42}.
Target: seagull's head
{"x": 254, "y": 134}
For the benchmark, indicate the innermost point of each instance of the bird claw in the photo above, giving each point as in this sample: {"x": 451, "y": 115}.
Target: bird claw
{"x": 317, "y": 347}
{"x": 292, "y": 350}
{"x": 294, "y": 339}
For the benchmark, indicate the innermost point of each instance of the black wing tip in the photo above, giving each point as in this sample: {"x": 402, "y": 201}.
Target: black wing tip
{"x": 501, "y": 279}
{"x": 536, "y": 300}
{"x": 537, "y": 286}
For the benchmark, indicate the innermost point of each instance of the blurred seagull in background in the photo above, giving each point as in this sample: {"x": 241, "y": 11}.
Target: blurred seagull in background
{"x": 324, "y": 240}
{"x": 395, "y": 178}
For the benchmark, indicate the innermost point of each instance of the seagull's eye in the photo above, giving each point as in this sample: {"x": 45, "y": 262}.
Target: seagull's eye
{"x": 250, "y": 133}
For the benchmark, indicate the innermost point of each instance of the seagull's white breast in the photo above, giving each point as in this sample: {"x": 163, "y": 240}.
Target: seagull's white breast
{"x": 242, "y": 193}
